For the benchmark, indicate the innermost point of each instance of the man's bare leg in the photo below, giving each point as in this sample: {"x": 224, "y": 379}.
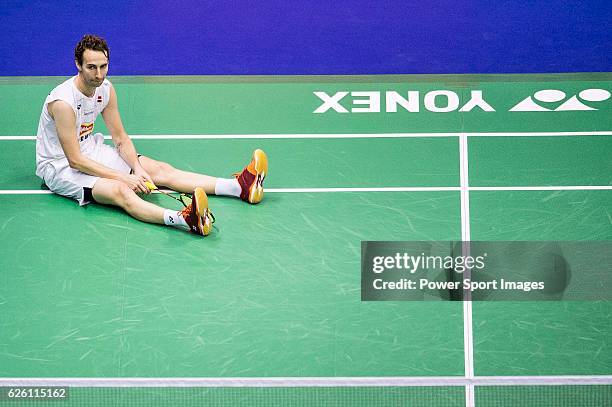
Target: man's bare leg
{"x": 112, "y": 192}
{"x": 196, "y": 217}
{"x": 247, "y": 185}
{"x": 178, "y": 180}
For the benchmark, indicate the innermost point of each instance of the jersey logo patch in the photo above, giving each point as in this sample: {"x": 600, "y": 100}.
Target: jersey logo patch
{"x": 86, "y": 130}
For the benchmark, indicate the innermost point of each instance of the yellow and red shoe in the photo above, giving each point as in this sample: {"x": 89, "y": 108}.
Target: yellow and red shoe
{"x": 251, "y": 179}
{"x": 197, "y": 215}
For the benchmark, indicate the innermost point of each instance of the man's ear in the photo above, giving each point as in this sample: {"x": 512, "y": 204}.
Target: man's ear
{"x": 77, "y": 65}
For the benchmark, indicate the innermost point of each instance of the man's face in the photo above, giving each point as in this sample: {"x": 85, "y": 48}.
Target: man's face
{"x": 94, "y": 68}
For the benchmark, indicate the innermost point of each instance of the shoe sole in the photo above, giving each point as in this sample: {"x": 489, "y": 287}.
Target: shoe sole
{"x": 256, "y": 191}
{"x": 201, "y": 201}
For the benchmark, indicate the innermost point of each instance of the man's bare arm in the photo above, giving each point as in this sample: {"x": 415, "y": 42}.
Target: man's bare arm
{"x": 122, "y": 141}
{"x": 65, "y": 122}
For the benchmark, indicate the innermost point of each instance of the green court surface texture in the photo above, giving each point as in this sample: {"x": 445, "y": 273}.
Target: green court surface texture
{"x": 89, "y": 294}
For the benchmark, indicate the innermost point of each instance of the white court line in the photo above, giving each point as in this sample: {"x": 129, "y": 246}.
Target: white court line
{"x": 468, "y": 337}
{"x": 25, "y": 192}
{"x": 542, "y": 134}
{"x": 545, "y": 188}
{"x": 336, "y": 136}
{"x": 443, "y": 189}
{"x": 374, "y": 189}
{"x": 309, "y": 381}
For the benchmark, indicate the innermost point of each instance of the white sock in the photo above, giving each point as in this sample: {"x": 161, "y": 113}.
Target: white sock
{"x": 174, "y": 218}
{"x": 227, "y": 186}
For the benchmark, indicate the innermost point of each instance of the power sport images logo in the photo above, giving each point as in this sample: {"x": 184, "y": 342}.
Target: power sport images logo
{"x": 444, "y": 101}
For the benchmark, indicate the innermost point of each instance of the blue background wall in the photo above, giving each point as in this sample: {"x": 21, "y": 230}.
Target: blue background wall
{"x": 301, "y": 37}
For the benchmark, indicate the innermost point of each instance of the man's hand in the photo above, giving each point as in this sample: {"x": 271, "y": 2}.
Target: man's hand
{"x": 136, "y": 181}
{"x": 144, "y": 176}
{"x": 139, "y": 171}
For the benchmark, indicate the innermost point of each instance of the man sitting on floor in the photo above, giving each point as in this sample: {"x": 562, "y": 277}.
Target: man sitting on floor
{"x": 75, "y": 162}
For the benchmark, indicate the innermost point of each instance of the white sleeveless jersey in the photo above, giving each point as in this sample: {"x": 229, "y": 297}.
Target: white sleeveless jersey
{"x": 86, "y": 110}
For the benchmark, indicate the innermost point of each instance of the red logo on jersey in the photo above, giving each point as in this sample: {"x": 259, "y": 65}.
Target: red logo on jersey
{"x": 100, "y": 99}
{"x": 86, "y": 129}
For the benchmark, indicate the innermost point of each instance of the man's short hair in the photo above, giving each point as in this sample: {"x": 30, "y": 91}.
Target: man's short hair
{"x": 92, "y": 42}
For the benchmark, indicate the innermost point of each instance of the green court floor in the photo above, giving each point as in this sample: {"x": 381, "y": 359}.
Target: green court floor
{"x": 274, "y": 291}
